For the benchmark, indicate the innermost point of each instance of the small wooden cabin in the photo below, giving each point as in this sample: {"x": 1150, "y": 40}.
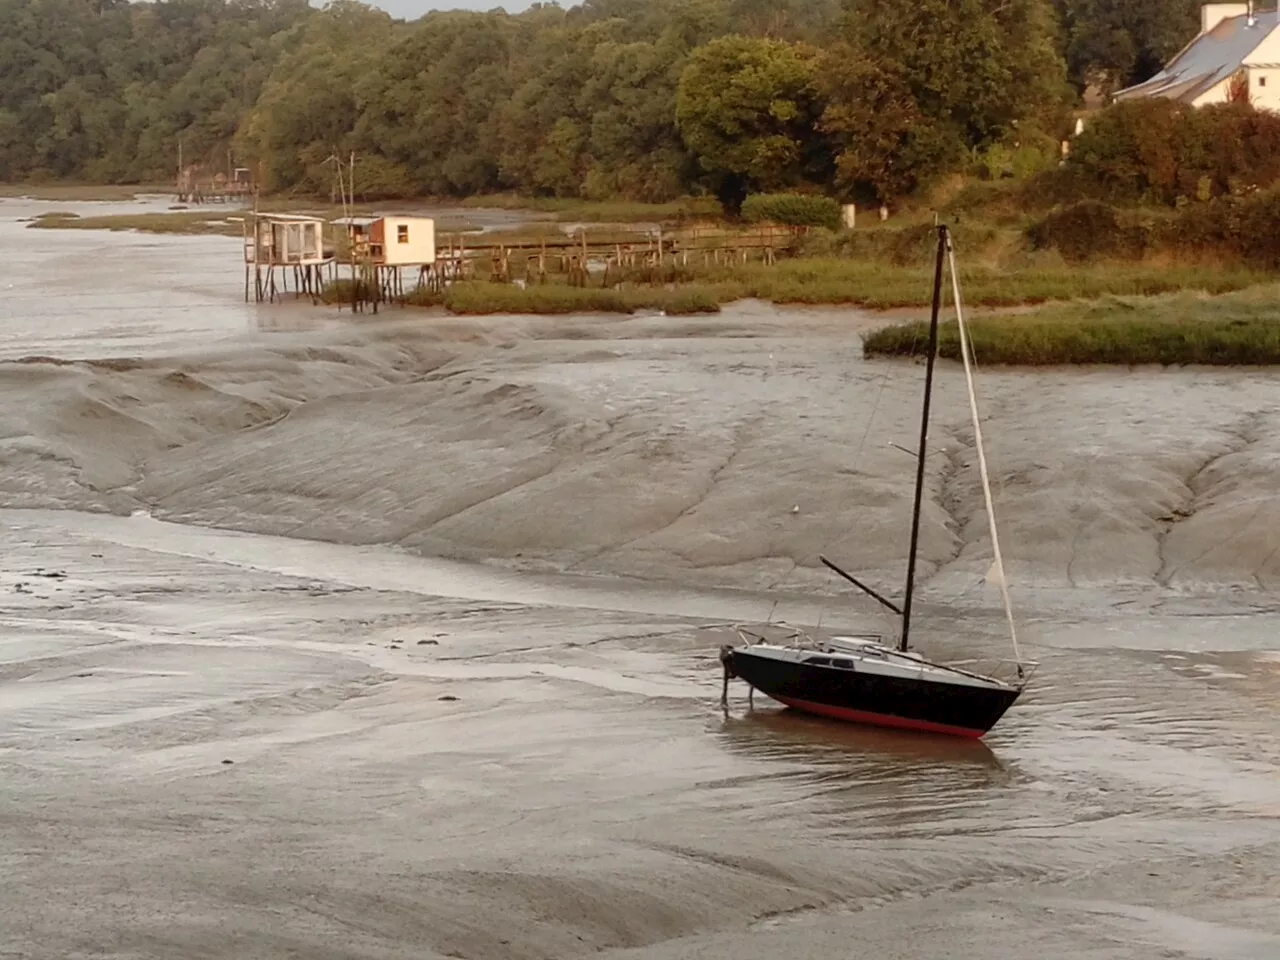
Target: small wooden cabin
{"x": 392, "y": 241}
{"x": 284, "y": 240}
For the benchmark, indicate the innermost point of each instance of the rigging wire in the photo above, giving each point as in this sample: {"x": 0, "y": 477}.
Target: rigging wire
{"x": 965, "y": 353}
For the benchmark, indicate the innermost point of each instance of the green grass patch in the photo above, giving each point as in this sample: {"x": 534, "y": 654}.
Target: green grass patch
{"x": 184, "y": 222}
{"x": 1234, "y": 330}
{"x": 880, "y": 286}
{"x": 603, "y": 211}
{"x": 479, "y": 298}
{"x": 487, "y": 298}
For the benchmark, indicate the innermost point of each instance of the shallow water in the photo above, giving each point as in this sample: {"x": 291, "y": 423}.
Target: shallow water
{"x": 546, "y": 520}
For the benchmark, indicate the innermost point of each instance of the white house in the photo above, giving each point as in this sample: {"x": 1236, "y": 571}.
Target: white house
{"x": 1236, "y": 52}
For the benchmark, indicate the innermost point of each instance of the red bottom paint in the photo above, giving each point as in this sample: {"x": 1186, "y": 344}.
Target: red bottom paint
{"x": 878, "y": 719}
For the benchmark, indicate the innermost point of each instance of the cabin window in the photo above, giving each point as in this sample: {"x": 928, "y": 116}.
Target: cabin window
{"x": 1262, "y": 81}
{"x": 843, "y": 664}
{"x": 402, "y": 233}
{"x": 819, "y": 661}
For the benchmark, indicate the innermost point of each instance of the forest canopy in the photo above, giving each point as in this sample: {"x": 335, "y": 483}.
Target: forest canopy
{"x": 636, "y": 99}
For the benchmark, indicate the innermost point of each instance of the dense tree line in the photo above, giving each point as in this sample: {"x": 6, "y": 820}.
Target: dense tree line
{"x": 643, "y": 99}
{"x": 102, "y": 90}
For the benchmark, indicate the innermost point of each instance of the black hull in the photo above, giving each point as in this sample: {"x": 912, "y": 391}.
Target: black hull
{"x": 863, "y": 697}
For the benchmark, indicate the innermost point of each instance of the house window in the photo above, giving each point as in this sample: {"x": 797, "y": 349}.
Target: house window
{"x": 402, "y": 233}
{"x": 1262, "y": 81}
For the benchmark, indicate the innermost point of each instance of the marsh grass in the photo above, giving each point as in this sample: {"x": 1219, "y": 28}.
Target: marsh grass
{"x": 485, "y": 298}
{"x": 81, "y": 192}
{"x": 480, "y": 298}
{"x": 182, "y": 222}
{"x": 880, "y": 286}
{"x": 1233, "y": 330}
{"x": 604, "y": 211}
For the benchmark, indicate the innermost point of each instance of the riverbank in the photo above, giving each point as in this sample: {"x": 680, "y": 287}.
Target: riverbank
{"x": 80, "y": 192}
{"x": 872, "y": 277}
{"x": 1098, "y": 300}
{"x": 554, "y": 208}
{"x": 477, "y": 298}
{"x": 1119, "y": 313}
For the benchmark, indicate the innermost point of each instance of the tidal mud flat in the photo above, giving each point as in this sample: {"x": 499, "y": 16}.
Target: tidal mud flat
{"x": 439, "y": 590}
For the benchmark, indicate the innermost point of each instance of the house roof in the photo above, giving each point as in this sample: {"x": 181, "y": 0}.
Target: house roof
{"x": 1208, "y": 60}
{"x": 366, "y": 221}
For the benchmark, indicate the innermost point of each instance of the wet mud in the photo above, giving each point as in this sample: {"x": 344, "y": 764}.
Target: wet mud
{"x": 397, "y": 638}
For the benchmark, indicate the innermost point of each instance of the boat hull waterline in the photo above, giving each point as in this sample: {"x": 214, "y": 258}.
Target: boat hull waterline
{"x": 924, "y": 704}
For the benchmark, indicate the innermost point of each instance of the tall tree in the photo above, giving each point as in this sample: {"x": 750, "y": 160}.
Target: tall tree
{"x": 1114, "y": 43}
{"x": 920, "y": 85}
{"x": 747, "y": 109}
{"x": 886, "y": 147}
{"x": 981, "y": 66}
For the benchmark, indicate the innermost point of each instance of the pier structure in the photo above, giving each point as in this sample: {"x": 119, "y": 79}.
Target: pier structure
{"x": 195, "y": 185}
{"x": 388, "y": 258}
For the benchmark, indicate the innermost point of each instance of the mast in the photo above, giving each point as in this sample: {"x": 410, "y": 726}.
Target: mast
{"x": 943, "y": 240}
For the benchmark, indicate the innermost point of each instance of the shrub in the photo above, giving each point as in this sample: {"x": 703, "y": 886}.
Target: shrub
{"x": 1089, "y": 230}
{"x": 345, "y": 291}
{"x": 1160, "y": 150}
{"x": 686, "y": 302}
{"x": 792, "y": 209}
{"x": 914, "y": 245}
{"x": 1237, "y": 228}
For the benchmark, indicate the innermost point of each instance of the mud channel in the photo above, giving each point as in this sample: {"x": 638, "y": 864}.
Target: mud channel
{"x": 395, "y": 637}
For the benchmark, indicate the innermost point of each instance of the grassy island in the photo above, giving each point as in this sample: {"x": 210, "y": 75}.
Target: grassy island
{"x": 1233, "y": 330}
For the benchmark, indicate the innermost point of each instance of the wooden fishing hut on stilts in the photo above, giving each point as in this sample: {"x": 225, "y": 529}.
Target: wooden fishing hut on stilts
{"x": 383, "y": 249}
{"x": 290, "y": 243}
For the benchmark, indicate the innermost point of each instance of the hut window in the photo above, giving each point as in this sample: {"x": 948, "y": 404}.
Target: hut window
{"x": 1262, "y": 81}
{"x": 402, "y": 233}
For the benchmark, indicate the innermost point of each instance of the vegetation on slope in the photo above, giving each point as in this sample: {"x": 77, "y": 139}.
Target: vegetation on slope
{"x": 638, "y": 100}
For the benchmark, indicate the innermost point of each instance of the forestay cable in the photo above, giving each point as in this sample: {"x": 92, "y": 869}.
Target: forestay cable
{"x": 998, "y": 566}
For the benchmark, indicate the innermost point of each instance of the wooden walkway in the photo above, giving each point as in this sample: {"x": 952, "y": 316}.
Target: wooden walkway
{"x": 624, "y": 250}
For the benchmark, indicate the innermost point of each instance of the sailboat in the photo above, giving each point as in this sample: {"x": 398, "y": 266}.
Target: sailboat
{"x": 863, "y": 679}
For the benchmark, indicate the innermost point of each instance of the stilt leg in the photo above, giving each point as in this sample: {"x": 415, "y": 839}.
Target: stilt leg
{"x": 726, "y": 661}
